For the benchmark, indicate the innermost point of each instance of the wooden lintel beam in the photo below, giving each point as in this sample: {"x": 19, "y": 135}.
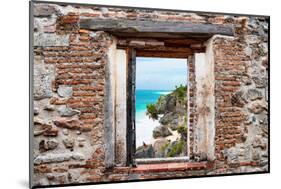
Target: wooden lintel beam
{"x": 165, "y": 49}
{"x": 162, "y": 54}
{"x": 155, "y": 28}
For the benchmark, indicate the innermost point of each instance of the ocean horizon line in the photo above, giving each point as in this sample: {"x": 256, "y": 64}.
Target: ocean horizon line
{"x": 155, "y": 89}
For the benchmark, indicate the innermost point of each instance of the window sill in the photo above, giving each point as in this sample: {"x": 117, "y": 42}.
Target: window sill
{"x": 162, "y": 160}
{"x": 165, "y": 167}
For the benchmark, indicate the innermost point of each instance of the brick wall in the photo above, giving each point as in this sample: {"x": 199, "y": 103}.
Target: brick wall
{"x": 69, "y": 94}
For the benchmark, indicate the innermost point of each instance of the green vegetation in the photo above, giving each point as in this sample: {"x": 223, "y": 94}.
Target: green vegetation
{"x": 180, "y": 93}
{"x": 151, "y": 111}
{"x": 182, "y": 129}
{"x": 176, "y": 149}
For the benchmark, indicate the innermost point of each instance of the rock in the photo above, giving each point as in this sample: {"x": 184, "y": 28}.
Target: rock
{"x": 67, "y": 112}
{"x": 159, "y": 147}
{"x": 50, "y": 39}
{"x": 265, "y": 62}
{"x": 65, "y": 131}
{"x": 65, "y": 91}
{"x": 61, "y": 157}
{"x": 104, "y": 10}
{"x": 68, "y": 143}
{"x": 68, "y": 123}
{"x": 49, "y": 107}
{"x": 48, "y": 145}
{"x": 43, "y": 10}
{"x": 42, "y": 82}
{"x": 51, "y": 144}
{"x": 169, "y": 118}
{"x": 81, "y": 141}
{"x": 145, "y": 152}
{"x": 39, "y": 121}
{"x": 246, "y": 80}
{"x": 36, "y": 111}
{"x": 232, "y": 155}
{"x": 260, "y": 82}
{"x": 161, "y": 131}
{"x": 252, "y": 39}
{"x": 254, "y": 94}
{"x": 258, "y": 142}
{"x": 53, "y": 132}
{"x": 40, "y": 126}
{"x": 257, "y": 106}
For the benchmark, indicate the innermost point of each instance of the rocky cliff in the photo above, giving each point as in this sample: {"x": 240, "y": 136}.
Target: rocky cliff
{"x": 170, "y": 136}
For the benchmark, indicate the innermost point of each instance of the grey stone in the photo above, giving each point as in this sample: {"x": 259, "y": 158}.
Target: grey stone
{"x": 43, "y": 10}
{"x": 49, "y": 107}
{"x": 145, "y": 151}
{"x": 61, "y": 157}
{"x": 67, "y": 112}
{"x": 260, "y": 82}
{"x": 257, "y": 106}
{"x": 42, "y": 82}
{"x": 48, "y": 145}
{"x": 259, "y": 142}
{"x": 51, "y": 144}
{"x": 169, "y": 118}
{"x": 45, "y": 25}
{"x": 104, "y": 10}
{"x": 232, "y": 155}
{"x": 81, "y": 139}
{"x": 65, "y": 131}
{"x": 254, "y": 94}
{"x": 50, "y": 39}
{"x": 40, "y": 122}
{"x": 65, "y": 91}
{"x": 69, "y": 143}
{"x": 251, "y": 39}
{"x": 246, "y": 80}
{"x": 36, "y": 111}
{"x": 159, "y": 147}
{"x": 161, "y": 131}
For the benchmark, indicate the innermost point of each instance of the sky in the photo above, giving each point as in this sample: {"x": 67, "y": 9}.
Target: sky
{"x": 160, "y": 73}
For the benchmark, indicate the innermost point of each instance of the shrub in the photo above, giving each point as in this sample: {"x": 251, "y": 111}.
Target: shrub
{"x": 176, "y": 149}
{"x": 151, "y": 111}
{"x": 182, "y": 129}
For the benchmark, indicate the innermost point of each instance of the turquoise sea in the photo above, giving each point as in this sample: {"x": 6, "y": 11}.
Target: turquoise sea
{"x": 144, "y": 125}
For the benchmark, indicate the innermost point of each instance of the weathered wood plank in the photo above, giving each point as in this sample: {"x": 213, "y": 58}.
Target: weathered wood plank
{"x": 167, "y": 41}
{"x": 165, "y": 49}
{"x": 131, "y": 135}
{"x": 162, "y": 54}
{"x": 156, "y": 28}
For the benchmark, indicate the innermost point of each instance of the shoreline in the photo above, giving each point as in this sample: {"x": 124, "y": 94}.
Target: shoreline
{"x": 144, "y": 129}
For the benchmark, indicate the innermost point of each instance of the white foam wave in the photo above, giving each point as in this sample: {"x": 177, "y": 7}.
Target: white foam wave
{"x": 163, "y": 92}
{"x": 144, "y": 130}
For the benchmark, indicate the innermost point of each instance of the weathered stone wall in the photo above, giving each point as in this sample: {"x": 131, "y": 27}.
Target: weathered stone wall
{"x": 70, "y": 74}
{"x": 241, "y": 97}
